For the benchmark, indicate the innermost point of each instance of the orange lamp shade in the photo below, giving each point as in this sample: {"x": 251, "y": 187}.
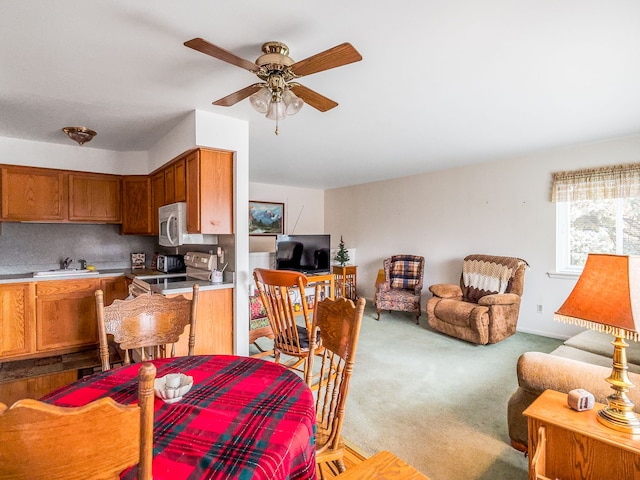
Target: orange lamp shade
{"x": 606, "y": 296}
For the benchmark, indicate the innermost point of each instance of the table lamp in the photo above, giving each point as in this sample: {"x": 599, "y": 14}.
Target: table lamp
{"x": 606, "y": 298}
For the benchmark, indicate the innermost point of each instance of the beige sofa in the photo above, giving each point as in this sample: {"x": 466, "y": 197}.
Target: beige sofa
{"x": 583, "y": 361}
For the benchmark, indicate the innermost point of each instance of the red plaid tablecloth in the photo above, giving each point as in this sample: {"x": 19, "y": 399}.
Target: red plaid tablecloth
{"x": 244, "y": 418}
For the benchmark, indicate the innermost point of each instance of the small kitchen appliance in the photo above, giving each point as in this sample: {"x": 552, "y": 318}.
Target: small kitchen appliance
{"x": 170, "y": 263}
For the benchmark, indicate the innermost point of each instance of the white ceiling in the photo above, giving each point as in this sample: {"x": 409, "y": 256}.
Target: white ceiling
{"x": 441, "y": 83}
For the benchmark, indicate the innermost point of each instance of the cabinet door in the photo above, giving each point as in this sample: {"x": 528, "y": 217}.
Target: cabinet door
{"x": 210, "y": 192}
{"x": 157, "y": 199}
{"x": 114, "y": 288}
{"x": 136, "y": 205}
{"x": 94, "y": 198}
{"x": 180, "y": 168}
{"x": 17, "y": 319}
{"x": 214, "y": 324}
{"x": 33, "y": 194}
{"x": 169, "y": 185}
{"x": 66, "y": 314}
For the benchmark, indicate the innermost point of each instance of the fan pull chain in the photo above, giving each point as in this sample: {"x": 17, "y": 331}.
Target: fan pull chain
{"x": 277, "y": 131}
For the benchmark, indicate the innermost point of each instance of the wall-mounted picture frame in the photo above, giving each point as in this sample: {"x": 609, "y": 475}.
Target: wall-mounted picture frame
{"x": 266, "y": 218}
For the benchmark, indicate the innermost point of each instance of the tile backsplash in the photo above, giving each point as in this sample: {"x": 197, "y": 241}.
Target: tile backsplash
{"x": 29, "y": 247}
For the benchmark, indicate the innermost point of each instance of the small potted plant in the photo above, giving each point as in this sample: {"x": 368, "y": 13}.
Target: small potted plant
{"x": 342, "y": 255}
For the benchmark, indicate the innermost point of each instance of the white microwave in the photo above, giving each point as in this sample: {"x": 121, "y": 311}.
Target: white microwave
{"x": 172, "y": 223}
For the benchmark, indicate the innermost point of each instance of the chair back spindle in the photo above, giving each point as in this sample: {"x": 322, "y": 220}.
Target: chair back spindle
{"x": 338, "y": 322}
{"x": 280, "y": 292}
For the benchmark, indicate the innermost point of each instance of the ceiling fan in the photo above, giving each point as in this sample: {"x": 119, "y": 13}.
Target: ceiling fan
{"x": 278, "y": 95}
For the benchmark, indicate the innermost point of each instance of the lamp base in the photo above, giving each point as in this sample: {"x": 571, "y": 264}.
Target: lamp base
{"x": 622, "y": 421}
{"x": 619, "y": 414}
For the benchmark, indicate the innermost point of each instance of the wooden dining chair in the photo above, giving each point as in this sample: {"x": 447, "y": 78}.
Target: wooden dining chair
{"x": 339, "y": 323}
{"x": 283, "y": 295}
{"x": 147, "y": 323}
{"x": 99, "y": 440}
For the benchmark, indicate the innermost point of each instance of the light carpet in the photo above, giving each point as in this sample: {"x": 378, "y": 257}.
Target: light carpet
{"x": 437, "y": 402}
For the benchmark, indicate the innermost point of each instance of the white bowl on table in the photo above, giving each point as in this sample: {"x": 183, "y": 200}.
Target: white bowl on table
{"x": 172, "y": 387}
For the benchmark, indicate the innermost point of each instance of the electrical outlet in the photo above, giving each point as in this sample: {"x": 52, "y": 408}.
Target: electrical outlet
{"x": 539, "y": 308}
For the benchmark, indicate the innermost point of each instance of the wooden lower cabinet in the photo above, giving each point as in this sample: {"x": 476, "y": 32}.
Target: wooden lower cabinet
{"x": 66, "y": 316}
{"x": 35, "y": 387}
{"x": 17, "y": 319}
{"x": 48, "y": 333}
{"x": 569, "y": 445}
{"x": 114, "y": 288}
{"x": 214, "y": 324}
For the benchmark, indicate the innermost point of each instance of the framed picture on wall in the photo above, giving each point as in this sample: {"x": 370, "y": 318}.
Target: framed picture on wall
{"x": 266, "y": 218}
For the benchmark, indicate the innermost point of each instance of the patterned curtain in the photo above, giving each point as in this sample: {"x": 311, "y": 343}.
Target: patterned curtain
{"x": 616, "y": 181}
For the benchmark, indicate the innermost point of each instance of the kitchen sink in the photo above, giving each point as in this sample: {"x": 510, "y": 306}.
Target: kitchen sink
{"x": 64, "y": 272}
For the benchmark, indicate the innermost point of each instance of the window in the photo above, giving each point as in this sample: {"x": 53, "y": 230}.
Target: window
{"x": 598, "y": 210}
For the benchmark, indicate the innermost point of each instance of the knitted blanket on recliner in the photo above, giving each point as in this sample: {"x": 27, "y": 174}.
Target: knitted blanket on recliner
{"x": 487, "y": 274}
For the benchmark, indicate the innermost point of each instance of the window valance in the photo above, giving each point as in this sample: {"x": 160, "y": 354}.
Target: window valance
{"x": 616, "y": 181}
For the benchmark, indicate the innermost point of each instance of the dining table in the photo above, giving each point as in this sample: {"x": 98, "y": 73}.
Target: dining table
{"x": 243, "y": 418}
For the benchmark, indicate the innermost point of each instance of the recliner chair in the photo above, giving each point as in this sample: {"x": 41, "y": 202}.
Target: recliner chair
{"x": 484, "y": 308}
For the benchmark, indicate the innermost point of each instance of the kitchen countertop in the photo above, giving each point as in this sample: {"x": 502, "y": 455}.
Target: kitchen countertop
{"x": 28, "y": 277}
{"x": 177, "y": 288}
{"x": 168, "y": 289}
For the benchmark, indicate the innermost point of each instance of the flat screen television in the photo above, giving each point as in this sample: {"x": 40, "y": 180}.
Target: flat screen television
{"x": 309, "y": 254}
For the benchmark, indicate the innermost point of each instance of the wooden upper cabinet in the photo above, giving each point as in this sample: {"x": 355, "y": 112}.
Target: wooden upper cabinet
{"x": 17, "y": 319}
{"x": 95, "y": 198}
{"x": 209, "y": 191}
{"x": 180, "y": 173}
{"x": 169, "y": 185}
{"x": 33, "y": 194}
{"x": 136, "y": 205}
{"x": 157, "y": 199}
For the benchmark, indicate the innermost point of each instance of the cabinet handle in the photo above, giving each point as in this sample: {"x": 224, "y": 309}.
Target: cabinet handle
{"x": 539, "y": 459}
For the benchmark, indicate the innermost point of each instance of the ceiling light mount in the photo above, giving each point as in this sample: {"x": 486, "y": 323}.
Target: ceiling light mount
{"x": 81, "y": 135}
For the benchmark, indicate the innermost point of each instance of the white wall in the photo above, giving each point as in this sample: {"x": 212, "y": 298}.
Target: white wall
{"x": 303, "y": 211}
{"x": 500, "y": 208}
{"x": 83, "y": 158}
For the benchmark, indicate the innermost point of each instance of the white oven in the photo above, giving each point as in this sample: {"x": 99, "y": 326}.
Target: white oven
{"x": 199, "y": 267}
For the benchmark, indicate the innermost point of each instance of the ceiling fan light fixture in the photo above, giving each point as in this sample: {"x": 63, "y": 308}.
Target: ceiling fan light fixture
{"x": 81, "y": 135}
{"x": 276, "y": 110}
{"x": 292, "y": 102}
{"x": 260, "y": 100}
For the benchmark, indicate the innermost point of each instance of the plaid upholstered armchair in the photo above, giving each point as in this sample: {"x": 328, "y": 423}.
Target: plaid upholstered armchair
{"x": 402, "y": 285}
{"x": 484, "y": 308}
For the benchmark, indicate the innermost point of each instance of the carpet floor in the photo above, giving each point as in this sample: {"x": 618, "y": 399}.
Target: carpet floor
{"x": 437, "y": 402}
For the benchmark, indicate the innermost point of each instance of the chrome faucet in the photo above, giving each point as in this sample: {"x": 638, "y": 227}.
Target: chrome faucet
{"x": 66, "y": 262}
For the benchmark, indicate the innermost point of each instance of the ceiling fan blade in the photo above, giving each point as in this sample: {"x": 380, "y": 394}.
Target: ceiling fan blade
{"x": 314, "y": 99}
{"x": 334, "y": 57}
{"x": 207, "y": 48}
{"x": 239, "y": 95}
